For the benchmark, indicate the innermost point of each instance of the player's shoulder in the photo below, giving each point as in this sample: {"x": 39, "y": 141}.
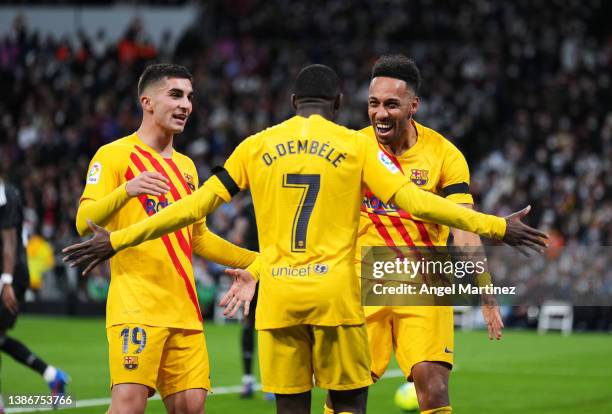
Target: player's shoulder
{"x": 342, "y": 135}
{"x": 337, "y": 128}
{"x": 368, "y": 132}
{"x": 184, "y": 161}
{"x": 114, "y": 149}
{"x": 182, "y": 158}
{"x": 436, "y": 141}
{"x": 293, "y": 126}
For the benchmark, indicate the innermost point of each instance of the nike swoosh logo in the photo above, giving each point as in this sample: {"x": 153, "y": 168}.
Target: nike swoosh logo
{"x": 448, "y": 351}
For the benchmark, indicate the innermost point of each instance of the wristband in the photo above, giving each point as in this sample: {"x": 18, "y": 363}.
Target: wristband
{"x": 6, "y": 278}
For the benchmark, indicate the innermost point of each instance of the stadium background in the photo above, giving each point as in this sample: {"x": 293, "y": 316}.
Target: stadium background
{"x": 522, "y": 88}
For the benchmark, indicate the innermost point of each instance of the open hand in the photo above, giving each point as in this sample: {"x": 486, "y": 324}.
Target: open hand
{"x": 149, "y": 182}
{"x": 523, "y": 237}
{"x": 9, "y": 299}
{"x": 240, "y": 293}
{"x": 493, "y": 319}
{"x": 92, "y": 252}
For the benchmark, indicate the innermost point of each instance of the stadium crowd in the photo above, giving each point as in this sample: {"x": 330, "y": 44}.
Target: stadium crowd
{"x": 522, "y": 88}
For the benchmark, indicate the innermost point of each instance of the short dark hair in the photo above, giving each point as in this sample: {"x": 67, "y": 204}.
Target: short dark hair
{"x": 398, "y": 67}
{"x": 159, "y": 71}
{"x": 317, "y": 81}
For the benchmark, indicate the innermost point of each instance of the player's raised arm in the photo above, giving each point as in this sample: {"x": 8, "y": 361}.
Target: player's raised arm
{"x": 384, "y": 179}
{"x": 104, "y": 193}
{"x": 180, "y": 214}
{"x": 221, "y": 187}
{"x": 439, "y": 210}
{"x": 100, "y": 211}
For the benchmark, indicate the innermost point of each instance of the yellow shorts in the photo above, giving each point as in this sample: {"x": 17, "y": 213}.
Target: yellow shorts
{"x": 337, "y": 357}
{"x": 167, "y": 359}
{"x": 416, "y": 333}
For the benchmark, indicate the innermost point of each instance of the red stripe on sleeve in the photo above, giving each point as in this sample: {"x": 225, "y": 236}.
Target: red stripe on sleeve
{"x": 171, "y": 252}
{"x": 183, "y": 243}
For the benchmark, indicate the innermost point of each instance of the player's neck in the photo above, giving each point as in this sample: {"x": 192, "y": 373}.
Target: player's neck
{"x": 161, "y": 141}
{"x": 408, "y": 139}
{"x": 308, "y": 110}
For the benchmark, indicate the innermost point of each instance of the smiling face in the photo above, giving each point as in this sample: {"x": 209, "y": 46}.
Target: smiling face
{"x": 169, "y": 103}
{"x": 391, "y": 104}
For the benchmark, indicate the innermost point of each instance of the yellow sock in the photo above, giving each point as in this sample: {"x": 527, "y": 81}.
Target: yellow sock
{"x": 440, "y": 410}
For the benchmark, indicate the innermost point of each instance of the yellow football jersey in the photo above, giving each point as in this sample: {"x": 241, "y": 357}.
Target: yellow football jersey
{"x": 305, "y": 176}
{"x": 435, "y": 165}
{"x": 152, "y": 283}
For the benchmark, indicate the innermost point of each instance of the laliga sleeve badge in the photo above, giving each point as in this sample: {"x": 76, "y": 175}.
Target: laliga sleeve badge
{"x": 386, "y": 161}
{"x": 93, "y": 176}
{"x": 130, "y": 362}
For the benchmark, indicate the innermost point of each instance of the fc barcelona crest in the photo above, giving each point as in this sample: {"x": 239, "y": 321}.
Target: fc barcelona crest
{"x": 419, "y": 177}
{"x": 189, "y": 180}
{"x": 130, "y": 362}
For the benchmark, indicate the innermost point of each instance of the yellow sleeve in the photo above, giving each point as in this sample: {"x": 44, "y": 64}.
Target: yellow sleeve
{"x": 430, "y": 207}
{"x": 102, "y": 175}
{"x": 255, "y": 268}
{"x": 230, "y": 179}
{"x": 104, "y": 192}
{"x": 455, "y": 177}
{"x": 233, "y": 177}
{"x": 381, "y": 176}
{"x": 210, "y": 246}
{"x": 100, "y": 211}
{"x": 177, "y": 215}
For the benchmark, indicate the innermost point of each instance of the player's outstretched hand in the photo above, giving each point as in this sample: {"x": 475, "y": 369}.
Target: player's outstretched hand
{"x": 9, "y": 299}
{"x": 240, "y": 293}
{"x": 493, "y": 319}
{"x": 523, "y": 237}
{"x": 92, "y": 252}
{"x": 149, "y": 182}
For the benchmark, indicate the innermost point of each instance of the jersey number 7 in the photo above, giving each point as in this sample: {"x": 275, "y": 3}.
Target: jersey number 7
{"x": 310, "y": 185}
